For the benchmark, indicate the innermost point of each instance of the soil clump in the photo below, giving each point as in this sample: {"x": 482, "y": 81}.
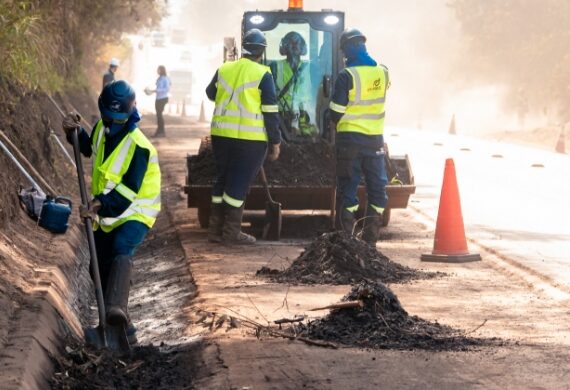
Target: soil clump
{"x": 382, "y": 323}
{"x": 340, "y": 258}
{"x": 307, "y": 164}
{"x": 145, "y": 367}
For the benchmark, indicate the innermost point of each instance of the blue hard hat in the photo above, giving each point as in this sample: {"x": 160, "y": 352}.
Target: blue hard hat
{"x": 117, "y": 100}
{"x": 254, "y": 42}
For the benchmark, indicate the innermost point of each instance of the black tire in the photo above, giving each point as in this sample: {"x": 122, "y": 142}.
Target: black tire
{"x": 204, "y": 216}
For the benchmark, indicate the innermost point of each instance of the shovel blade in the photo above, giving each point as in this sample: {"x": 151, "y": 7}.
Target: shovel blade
{"x": 273, "y": 221}
{"x": 112, "y": 337}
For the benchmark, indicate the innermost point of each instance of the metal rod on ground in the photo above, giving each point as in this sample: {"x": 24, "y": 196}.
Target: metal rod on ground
{"x": 63, "y": 113}
{"x": 90, "y": 238}
{"x": 63, "y": 149}
{"x": 20, "y": 167}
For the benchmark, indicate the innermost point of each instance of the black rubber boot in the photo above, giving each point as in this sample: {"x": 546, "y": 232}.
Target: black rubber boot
{"x": 117, "y": 294}
{"x": 231, "y": 231}
{"x": 345, "y": 220}
{"x": 372, "y": 223}
{"x": 216, "y": 222}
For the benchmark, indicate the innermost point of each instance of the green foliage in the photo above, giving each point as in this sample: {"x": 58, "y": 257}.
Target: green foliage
{"x": 523, "y": 44}
{"x": 50, "y": 43}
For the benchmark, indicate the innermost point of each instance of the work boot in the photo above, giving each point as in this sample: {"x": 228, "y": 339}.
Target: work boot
{"x": 372, "y": 223}
{"x": 118, "y": 287}
{"x": 231, "y": 231}
{"x": 131, "y": 332}
{"x": 345, "y": 220}
{"x": 216, "y": 222}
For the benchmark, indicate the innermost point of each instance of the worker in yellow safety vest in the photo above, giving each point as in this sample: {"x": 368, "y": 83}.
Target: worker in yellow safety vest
{"x": 126, "y": 192}
{"x": 245, "y": 121}
{"x": 293, "y": 83}
{"x": 357, "y": 110}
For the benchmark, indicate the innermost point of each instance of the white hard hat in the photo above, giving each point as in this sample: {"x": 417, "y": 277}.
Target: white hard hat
{"x": 114, "y": 62}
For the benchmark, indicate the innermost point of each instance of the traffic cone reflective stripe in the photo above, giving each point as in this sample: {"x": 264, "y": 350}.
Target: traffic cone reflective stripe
{"x": 450, "y": 244}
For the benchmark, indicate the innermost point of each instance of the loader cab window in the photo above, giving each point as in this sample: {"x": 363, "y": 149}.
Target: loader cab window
{"x": 299, "y": 56}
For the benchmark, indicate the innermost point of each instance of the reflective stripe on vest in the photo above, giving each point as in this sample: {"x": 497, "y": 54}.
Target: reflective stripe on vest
{"x": 365, "y": 110}
{"x": 238, "y": 111}
{"x": 107, "y": 176}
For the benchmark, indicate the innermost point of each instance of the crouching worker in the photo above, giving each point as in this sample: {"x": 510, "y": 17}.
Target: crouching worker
{"x": 245, "y": 120}
{"x": 126, "y": 193}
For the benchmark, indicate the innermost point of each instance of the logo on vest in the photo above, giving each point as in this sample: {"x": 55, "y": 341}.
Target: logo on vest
{"x": 377, "y": 85}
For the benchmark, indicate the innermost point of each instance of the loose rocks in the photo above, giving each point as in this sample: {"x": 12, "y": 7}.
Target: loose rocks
{"x": 339, "y": 258}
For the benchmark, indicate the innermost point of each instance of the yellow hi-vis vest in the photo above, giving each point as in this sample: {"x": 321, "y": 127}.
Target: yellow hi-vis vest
{"x": 107, "y": 175}
{"x": 299, "y": 92}
{"x": 365, "y": 110}
{"x": 238, "y": 112}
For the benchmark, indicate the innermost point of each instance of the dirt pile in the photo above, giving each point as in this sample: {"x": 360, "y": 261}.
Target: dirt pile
{"x": 310, "y": 164}
{"x": 382, "y": 323}
{"x": 339, "y": 258}
{"x": 146, "y": 367}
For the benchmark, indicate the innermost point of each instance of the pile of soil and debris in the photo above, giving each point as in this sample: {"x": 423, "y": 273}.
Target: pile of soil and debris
{"x": 383, "y": 323}
{"x": 307, "y": 164}
{"x": 146, "y": 367}
{"x": 340, "y": 258}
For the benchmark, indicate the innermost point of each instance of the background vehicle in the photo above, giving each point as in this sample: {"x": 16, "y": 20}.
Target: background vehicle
{"x": 321, "y": 31}
{"x": 157, "y": 38}
{"x": 181, "y": 88}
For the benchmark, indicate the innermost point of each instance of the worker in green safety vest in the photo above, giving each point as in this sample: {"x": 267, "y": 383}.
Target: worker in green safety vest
{"x": 125, "y": 187}
{"x": 244, "y": 123}
{"x": 293, "y": 83}
{"x": 357, "y": 109}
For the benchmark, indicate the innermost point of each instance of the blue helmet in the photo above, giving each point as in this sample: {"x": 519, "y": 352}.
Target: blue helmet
{"x": 254, "y": 42}
{"x": 117, "y": 101}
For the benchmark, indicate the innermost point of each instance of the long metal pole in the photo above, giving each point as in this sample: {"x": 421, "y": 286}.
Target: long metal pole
{"x": 63, "y": 149}
{"x": 20, "y": 167}
{"x": 90, "y": 238}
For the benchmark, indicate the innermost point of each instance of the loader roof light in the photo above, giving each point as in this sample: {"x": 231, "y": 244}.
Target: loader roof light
{"x": 295, "y": 4}
{"x": 257, "y": 19}
{"x": 331, "y": 20}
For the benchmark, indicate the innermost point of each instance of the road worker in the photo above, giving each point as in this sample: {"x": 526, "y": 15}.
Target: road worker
{"x": 109, "y": 76}
{"x": 126, "y": 192}
{"x": 293, "y": 83}
{"x": 357, "y": 111}
{"x": 245, "y": 121}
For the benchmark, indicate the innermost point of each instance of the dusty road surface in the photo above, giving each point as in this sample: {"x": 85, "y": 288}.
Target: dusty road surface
{"x": 531, "y": 322}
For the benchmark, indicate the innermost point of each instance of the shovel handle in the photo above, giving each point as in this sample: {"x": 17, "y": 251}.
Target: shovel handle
{"x": 265, "y": 184}
{"x": 90, "y": 237}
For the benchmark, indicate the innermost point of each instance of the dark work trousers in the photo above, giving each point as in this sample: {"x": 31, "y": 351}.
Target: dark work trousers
{"x": 352, "y": 162}
{"x": 122, "y": 240}
{"x": 159, "y": 106}
{"x": 237, "y": 163}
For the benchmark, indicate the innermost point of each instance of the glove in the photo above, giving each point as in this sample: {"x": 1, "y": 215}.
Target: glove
{"x": 274, "y": 152}
{"x": 91, "y": 210}
{"x": 71, "y": 122}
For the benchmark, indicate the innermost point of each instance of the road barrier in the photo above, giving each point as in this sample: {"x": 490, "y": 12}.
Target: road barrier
{"x": 450, "y": 244}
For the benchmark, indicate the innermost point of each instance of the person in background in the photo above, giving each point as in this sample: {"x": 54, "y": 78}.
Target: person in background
{"x": 125, "y": 186}
{"x": 109, "y": 76}
{"x": 245, "y": 121}
{"x": 162, "y": 89}
{"x": 357, "y": 111}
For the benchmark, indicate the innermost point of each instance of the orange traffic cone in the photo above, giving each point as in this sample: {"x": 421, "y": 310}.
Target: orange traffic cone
{"x": 450, "y": 245}
{"x": 183, "y": 113}
{"x": 202, "y": 113}
{"x": 452, "y": 125}
{"x": 561, "y": 144}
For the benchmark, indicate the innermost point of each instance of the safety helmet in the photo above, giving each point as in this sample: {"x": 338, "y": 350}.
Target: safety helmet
{"x": 293, "y": 43}
{"x": 254, "y": 42}
{"x": 117, "y": 101}
{"x": 351, "y": 35}
{"x": 114, "y": 62}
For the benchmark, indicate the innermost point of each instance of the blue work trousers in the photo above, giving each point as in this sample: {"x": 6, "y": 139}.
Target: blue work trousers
{"x": 122, "y": 240}
{"x": 237, "y": 163}
{"x": 352, "y": 162}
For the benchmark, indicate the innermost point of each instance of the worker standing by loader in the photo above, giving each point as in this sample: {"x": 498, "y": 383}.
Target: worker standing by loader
{"x": 109, "y": 76}
{"x": 357, "y": 110}
{"x": 126, "y": 193}
{"x": 244, "y": 122}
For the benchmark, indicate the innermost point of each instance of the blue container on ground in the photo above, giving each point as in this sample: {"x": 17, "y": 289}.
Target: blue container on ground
{"x": 55, "y": 214}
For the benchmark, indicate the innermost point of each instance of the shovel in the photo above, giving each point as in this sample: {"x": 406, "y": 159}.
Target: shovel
{"x": 113, "y": 337}
{"x": 272, "y": 226}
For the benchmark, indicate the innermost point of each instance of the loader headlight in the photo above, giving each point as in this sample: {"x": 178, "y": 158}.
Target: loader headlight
{"x": 257, "y": 19}
{"x": 331, "y": 20}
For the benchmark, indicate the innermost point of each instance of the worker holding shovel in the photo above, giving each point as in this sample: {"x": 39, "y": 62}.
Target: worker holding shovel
{"x": 125, "y": 192}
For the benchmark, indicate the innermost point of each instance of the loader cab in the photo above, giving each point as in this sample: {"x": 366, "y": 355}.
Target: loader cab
{"x": 304, "y": 88}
